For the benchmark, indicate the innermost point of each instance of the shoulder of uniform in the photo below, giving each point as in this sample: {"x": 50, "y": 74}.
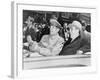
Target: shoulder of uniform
{"x": 45, "y": 36}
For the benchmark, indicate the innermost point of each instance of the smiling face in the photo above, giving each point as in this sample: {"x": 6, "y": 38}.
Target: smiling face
{"x": 53, "y": 30}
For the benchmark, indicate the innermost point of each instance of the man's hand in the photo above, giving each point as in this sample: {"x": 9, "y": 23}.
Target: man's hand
{"x": 79, "y": 52}
{"x": 33, "y": 46}
{"x": 26, "y": 44}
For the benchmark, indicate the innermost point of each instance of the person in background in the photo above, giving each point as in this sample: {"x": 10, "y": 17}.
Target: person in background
{"x": 67, "y": 34}
{"x": 29, "y": 33}
{"x": 79, "y": 43}
{"x": 50, "y": 45}
{"x": 66, "y": 31}
{"x": 87, "y": 34}
{"x": 88, "y": 28}
{"x": 45, "y": 30}
{"x": 30, "y": 29}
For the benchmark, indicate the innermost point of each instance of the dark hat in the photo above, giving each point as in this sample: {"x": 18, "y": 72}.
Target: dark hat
{"x": 54, "y": 22}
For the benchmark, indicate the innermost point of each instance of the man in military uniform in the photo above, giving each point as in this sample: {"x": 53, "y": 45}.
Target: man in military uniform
{"x": 50, "y": 45}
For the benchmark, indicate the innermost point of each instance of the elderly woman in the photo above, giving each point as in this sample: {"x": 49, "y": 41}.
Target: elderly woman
{"x": 50, "y": 45}
{"x": 79, "y": 43}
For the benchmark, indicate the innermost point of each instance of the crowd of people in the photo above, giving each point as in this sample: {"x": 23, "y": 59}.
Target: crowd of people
{"x": 51, "y": 39}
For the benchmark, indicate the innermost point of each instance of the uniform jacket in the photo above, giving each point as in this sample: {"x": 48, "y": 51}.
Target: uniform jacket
{"x": 50, "y": 46}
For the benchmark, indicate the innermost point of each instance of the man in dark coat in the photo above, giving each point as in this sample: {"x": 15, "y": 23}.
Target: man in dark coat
{"x": 79, "y": 43}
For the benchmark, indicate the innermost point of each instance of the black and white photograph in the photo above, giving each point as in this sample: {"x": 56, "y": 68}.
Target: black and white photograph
{"x": 53, "y": 39}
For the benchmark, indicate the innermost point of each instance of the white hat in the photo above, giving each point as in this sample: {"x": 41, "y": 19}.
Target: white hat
{"x": 76, "y": 24}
